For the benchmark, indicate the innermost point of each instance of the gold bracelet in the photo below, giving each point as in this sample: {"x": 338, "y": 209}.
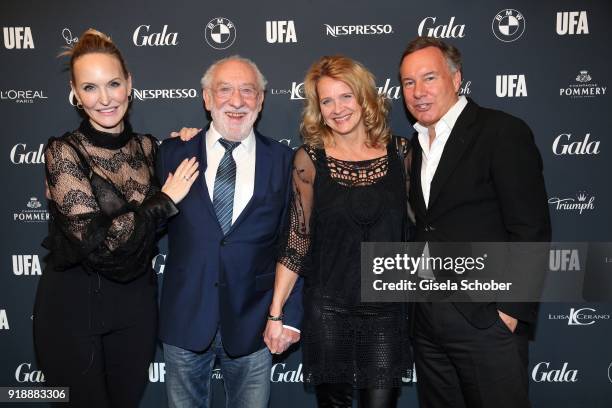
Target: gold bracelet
{"x": 276, "y": 318}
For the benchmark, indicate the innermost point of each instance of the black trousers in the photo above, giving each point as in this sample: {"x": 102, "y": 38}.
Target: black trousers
{"x": 460, "y": 366}
{"x": 95, "y": 336}
{"x": 341, "y": 396}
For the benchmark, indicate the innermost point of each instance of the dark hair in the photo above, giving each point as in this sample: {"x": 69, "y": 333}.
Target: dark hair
{"x": 94, "y": 41}
{"x": 451, "y": 53}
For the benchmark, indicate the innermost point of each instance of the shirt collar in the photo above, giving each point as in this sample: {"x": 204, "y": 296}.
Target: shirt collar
{"x": 213, "y": 136}
{"x": 446, "y": 122}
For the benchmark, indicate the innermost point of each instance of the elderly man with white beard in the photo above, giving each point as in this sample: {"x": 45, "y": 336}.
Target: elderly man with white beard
{"x": 222, "y": 247}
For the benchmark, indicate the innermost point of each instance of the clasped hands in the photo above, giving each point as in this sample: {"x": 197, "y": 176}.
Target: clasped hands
{"x": 279, "y": 338}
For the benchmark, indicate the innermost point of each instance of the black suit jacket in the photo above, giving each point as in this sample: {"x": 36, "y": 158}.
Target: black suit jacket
{"x": 488, "y": 187}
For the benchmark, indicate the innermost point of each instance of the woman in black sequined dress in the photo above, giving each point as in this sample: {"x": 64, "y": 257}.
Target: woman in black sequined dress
{"x": 95, "y": 315}
{"x": 349, "y": 187}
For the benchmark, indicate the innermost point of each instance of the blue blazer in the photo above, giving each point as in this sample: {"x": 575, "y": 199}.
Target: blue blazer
{"x": 213, "y": 280}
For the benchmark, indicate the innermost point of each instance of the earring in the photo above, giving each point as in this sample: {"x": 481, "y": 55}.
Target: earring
{"x": 79, "y": 105}
{"x": 130, "y": 97}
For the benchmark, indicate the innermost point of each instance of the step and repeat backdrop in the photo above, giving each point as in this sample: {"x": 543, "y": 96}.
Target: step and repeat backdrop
{"x": 547, "y": 62}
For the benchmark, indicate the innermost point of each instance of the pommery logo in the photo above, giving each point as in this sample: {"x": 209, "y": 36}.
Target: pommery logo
{"x": 33, "y": 213}
{"x": 583, "y": 88}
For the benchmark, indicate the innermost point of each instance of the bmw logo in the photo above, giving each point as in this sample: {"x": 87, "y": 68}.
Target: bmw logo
{"x": 220, "y": 33}
{"x": 508, "y": 25}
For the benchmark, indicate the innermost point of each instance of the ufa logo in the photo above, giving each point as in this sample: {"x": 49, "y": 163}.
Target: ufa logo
{"x": 220, "y": 33}
{"x": 26, "y": 264}
{"x": 564, "y": 260}
{"x": 508, "y": 25}
{"x": 18, "y": 38}
{"x": 572, "y": 22}
{"x": 157, "y": 372}
{"x": 4, "y": 324}
{"x": 280, "y": 32}
{"x": 510, "y": 86}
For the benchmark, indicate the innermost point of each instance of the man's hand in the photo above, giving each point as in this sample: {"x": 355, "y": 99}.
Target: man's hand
{"x": 508, "y": 320}
{"x": 278, "y": 338}
{"x": 185, "y": 134}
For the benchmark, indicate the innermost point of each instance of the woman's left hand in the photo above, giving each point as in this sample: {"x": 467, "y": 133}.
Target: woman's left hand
{"x": 186, "y": 134}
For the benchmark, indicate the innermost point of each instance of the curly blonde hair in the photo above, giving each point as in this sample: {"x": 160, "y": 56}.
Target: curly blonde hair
{"x": 361, "y": 81}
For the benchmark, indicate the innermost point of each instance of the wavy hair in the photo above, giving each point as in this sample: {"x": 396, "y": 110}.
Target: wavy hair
{"x": 361, "y": 81}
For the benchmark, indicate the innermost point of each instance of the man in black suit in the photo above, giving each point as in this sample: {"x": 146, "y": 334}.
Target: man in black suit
{"x": 476, "y": 177}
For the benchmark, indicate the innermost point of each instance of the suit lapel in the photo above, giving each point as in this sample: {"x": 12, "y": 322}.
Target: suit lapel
{"x": 455, "y": 147}
{"x": 263, "y": 166}
{"x": 200, "y": 184}
{"x": 415, "y": 177}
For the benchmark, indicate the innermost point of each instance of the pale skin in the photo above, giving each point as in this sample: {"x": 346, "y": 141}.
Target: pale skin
{"x": 101, "y": 88}
{"x": 430, "y": 89}
{"x": 342, "y": 114}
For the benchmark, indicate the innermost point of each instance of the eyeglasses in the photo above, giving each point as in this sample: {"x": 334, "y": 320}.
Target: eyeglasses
{"x": 225, "y": 92}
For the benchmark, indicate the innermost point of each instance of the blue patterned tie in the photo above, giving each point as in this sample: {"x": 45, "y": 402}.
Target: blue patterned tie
{"x": 225, "y": 182}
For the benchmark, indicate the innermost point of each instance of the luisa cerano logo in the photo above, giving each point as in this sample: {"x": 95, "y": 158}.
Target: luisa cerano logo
{"x": 429, "y": 28}
{"x": 509, "y": 86}
{"x": 388, "y": 90}
{"x": 144, "y": 35}
{"x": 582, "y": 202}
{"x": 220, "y": 33}
{"x": 508, "y": 25}
{"x": 564, "y": 145}
{"x": 572, "y": 22}
{"x": 26, "y": 265}
{"x": 584, "y": 316}
{"x": 17, "y": 38}
{"x": 281, "y": 31}
{"x": 583, "y": 87}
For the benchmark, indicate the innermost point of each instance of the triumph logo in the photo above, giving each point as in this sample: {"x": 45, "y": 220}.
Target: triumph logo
{"x": 449, "y": 30}
{"x": 508, "y": 25}
{"x": 26, "y": 265}
{"x": 348, "y": 30}
{"x": 4, "y": 323}
{"x": 17, "y": 38}
{"x": 220, "y": 33}
{"x": 581, "y": 203}
{"x": 563, "y": 145}
{"x": 21, "y": 155}
{"x": 541, "y": 373}
{"x": 509, "y": 86}
{"x": 564, "y": 260}
{"x": 22, "y": 95}
{"x": 146, "y": 94}
{"x": 34, "y": 213}
{"x": 572, "y": 22}
{"x": 583, "y": 88}
{"x": 24, "y": 375}
{"x": 143, "y": 37}
{"x": 280, "y": 32}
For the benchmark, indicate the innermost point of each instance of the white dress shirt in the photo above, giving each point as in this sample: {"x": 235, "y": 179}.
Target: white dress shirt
{"x": 244, "y": 156}
{"x": 433, "y": 153}
{"x": 431, "y": 158}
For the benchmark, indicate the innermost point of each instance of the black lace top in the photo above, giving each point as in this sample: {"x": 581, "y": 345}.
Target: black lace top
{"x": 102, "y": 188}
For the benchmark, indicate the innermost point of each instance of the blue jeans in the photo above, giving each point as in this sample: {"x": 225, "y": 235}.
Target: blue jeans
{"x": 246, "y": 379}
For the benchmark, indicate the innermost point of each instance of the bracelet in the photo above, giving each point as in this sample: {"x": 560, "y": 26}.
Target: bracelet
{"x": 276, "y": 318}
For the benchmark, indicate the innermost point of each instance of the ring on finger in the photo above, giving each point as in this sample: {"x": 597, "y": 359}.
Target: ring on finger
{"x": 186, "y": 178}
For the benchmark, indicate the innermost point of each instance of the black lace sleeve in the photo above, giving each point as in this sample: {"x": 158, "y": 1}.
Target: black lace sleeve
{"x": 296, "y": 244}
{"x": 91, "y": 224}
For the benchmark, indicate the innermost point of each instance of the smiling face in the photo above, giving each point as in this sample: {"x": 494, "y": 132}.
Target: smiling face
{"x": 429, "y": 87}
{"x": 100, "y": 85}
{"x": 234, "y": 99}
{"x": 339, "y": 107}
